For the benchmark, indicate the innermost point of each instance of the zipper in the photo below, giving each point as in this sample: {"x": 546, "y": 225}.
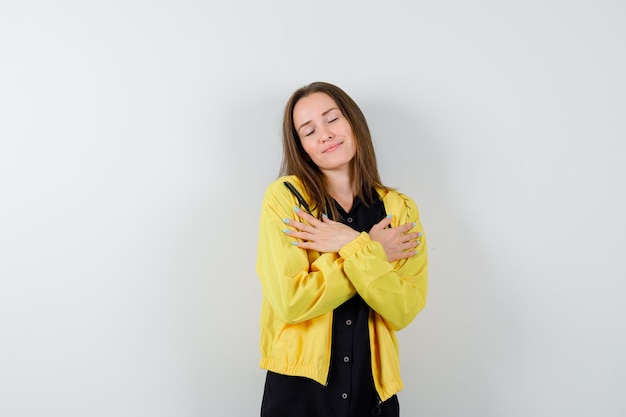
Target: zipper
{"x": 328, "y": 349}
{"x": 328, "y": 375}
{"x": 376, "y": 410}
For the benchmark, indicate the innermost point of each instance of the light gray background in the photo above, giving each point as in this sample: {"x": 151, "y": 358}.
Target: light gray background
{"x": 137, "y": 137}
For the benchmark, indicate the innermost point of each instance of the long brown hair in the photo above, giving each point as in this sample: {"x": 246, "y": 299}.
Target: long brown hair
{"x": 363, "y": 168}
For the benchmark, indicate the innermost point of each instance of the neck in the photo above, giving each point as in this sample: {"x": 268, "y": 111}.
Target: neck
{"x": 340, "y": 187}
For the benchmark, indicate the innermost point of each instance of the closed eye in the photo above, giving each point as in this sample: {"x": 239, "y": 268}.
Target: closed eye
{"x": 332, "y": 116}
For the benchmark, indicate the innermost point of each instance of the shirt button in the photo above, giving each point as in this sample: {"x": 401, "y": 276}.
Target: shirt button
{"x": 348, "y": 322}
{"x": 346, "y": 359}
{"x": 349, "y": 219}
{"x": 344, "y": 396}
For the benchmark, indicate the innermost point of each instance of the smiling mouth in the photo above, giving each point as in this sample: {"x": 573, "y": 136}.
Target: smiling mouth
{"x": 332, "y": 148}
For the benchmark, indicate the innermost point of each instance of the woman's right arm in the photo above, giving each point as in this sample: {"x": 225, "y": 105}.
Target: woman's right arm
{"x": 298, "y": 285}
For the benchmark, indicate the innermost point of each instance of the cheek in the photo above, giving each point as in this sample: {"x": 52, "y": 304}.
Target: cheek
{"x": 308, "y": 149}
{"x": 352, "y": 143}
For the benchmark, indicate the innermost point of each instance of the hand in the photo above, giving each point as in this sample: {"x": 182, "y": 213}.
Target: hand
{"x": 396, "y": 241}
{"x": 322, "y": 236}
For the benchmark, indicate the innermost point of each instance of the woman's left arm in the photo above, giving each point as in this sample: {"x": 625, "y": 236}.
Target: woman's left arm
{"x": 395, "y": 290}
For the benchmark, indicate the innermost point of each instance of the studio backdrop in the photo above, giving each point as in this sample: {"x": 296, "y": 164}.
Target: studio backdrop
{"x": 137, "y": 139}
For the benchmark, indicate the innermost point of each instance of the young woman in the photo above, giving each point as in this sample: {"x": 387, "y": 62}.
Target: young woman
{"x": 343, "y": 265}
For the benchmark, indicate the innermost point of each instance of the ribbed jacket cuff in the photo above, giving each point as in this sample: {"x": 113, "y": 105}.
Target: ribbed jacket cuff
{"x": 353, "y": 246}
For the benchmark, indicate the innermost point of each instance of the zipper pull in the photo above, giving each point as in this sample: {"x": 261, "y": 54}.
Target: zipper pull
{"x": 376, "y": 410}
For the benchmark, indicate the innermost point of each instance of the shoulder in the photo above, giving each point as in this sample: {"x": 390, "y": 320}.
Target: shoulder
{"x": 279, "y": 183}
{"x": 279, "y": 186}
{"x": 278, "y": 192}
{"x": 399, "y": 203}
{"x": 394, "y": 196}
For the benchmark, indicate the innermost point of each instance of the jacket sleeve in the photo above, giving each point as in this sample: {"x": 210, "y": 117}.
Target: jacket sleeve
{"x": 396, "y": 291}
{"x": 298, "y": 284}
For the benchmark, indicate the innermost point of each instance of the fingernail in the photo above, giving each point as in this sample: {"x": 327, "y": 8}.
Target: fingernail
{"x": 287, "y": 231}
{"x": 414, "y": 224}
{"x": 324, "y": 215}
{"x": 286, "y": 220}
{"x": 419, "y": 234}
{"x": 294, "y": 243}
{"x": 296, "y": 209}
{"x": 415, "y": 252}
{"x": 418, "y": 242}
{"x": 389, "y": 216}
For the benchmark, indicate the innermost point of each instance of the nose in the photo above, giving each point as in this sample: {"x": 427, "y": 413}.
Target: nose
{"x": 326, "y": 134}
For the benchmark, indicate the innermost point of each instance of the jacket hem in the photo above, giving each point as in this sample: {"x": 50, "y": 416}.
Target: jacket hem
{"x": 310, "y": 372}
{"x": 390, "y": 389}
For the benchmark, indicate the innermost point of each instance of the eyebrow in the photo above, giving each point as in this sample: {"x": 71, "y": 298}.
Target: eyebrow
{"x": 309, "y": 121}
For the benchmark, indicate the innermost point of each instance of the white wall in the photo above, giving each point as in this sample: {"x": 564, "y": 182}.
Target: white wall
{"x": 136, "y": 139}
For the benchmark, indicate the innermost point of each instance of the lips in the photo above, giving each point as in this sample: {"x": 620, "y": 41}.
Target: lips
{"x": 332, "y": 148}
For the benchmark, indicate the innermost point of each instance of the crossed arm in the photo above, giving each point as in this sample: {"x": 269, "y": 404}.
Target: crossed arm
{"x": 329, "y": 262}
{"x": 330, "y": 236}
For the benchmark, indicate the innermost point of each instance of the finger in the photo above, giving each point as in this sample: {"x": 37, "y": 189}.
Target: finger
{"x": 298, "y": 225}
{"x": 408, "y": 254}
{"x": 325, "y": 219}
{"x": 411, "y": 245}
{"x": 411, "y": 236}
{"x": 298, "y": 235}
{"x": 405, "y": 227}
{"x": 401, "y": 255}
{"x": 306, "y": 216}
{"x": 307, "y": 245}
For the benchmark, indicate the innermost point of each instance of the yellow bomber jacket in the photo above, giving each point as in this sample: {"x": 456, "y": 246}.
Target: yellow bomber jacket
{"x": 302, "y": 288}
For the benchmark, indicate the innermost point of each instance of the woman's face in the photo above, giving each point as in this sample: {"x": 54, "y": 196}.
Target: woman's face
{"x": 324, "y": 132}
